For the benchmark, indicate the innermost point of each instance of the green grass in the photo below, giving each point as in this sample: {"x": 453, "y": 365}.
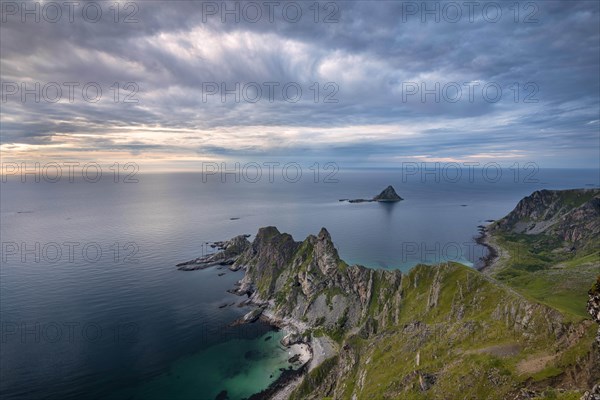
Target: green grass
{"x": 314, "y": 379}
{"x": 558, "y": 279}
{"x": 456, "y": 350}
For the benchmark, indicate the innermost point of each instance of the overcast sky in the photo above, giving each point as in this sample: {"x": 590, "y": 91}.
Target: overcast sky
{"x": 528, "y": 80}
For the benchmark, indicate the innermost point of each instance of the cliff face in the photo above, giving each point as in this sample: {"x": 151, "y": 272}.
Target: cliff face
{"x": 309, "y": 282}
{"x": 593, "y": 305}
{"x": 571, "y": 215}
{"x": 454, "y": 334}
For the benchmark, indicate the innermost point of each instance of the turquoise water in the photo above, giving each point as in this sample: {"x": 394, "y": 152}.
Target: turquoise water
{"x": 238, "y": 366}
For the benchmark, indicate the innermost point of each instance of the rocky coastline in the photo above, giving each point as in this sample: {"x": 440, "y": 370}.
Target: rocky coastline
{"x": 345, "y": 314}
{"x": 295, "y": 339}
{"x": 227, "y": 252}
{"x": 493, "y": 250}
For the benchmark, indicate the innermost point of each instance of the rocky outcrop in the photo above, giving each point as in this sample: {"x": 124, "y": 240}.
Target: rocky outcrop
{"x": 307, "y": 281}
{"x": 388, "y": 195}
{"x": 571, "y": 215}
{"x": 228, "y": 253}
{"x": 593, "y": 305}
{"x": 594, "y": 394}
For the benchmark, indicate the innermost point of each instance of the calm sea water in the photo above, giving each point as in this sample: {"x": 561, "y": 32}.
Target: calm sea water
{"x": 93, "y": 307}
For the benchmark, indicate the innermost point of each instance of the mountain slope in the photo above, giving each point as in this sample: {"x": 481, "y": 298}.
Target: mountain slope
{"x": 550, "y": 247}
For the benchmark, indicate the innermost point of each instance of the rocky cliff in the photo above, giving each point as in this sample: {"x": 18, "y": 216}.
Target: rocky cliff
{"x": 570, "y": 215}
{"x": 593, "y": 305}
{"x": 438, "y": 332}
{"x": 593, "y": 308}
{"x": 309, "y": 282}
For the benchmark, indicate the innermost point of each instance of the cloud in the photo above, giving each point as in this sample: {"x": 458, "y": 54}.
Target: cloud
{"x": 377, "y": 85}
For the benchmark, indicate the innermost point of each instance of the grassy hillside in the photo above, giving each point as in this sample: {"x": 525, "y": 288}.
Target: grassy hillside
{"x": 551, "y": 248}
{"x": 558, "y": 279}
{"x": 458, "y": 335}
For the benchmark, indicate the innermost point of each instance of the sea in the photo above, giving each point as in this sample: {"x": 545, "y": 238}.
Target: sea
{"x": 92, "y": 305}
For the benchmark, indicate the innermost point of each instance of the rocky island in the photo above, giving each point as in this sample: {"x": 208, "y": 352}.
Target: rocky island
{"x": 388, "y": 195}
{"x": 438, "y": 332}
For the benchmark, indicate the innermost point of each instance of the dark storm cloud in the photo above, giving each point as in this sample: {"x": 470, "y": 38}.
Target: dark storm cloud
{"x": 172, "y": 50}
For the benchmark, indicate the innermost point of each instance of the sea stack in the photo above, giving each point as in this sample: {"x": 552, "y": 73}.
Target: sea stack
{"x": 388, "y": 194}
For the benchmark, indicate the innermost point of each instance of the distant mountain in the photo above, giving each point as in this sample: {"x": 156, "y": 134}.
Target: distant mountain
{"x": 570, "y": 215}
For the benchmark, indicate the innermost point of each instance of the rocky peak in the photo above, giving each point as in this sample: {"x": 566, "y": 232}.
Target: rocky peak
{"x": 572, "y": 215}
{"x": 307, "y": 280}
{"x": 388, "y": 194}
{"x": 325, "y": 254}
{"x": 324, "y": 234}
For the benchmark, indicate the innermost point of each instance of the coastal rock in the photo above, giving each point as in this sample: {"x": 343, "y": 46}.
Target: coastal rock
{"x": 307, "y": 281}
{"x": 229, "y": 252}
{"x": 252, "y": 316}
{"x": 387, "y": 195}
{"x": 291, "y": 339}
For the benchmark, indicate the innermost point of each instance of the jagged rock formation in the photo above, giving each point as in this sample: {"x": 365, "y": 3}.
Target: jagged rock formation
{"x": 571, "y": 215}
{"x": 308, "y": 281}
{"x": 388, "y": 194}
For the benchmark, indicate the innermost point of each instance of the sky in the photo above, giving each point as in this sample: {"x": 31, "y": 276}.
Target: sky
{"x": 170, "y": 84}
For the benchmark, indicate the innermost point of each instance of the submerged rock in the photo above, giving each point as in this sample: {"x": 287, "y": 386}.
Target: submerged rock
{"x": 222, "y": 395}
{"x": 249, "y": 318}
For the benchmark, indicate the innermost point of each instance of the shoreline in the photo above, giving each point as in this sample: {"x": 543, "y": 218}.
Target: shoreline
{"x": 485, "y": 264}
{"x": 286, "y": 383}
{"x": 297, "y": 345}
